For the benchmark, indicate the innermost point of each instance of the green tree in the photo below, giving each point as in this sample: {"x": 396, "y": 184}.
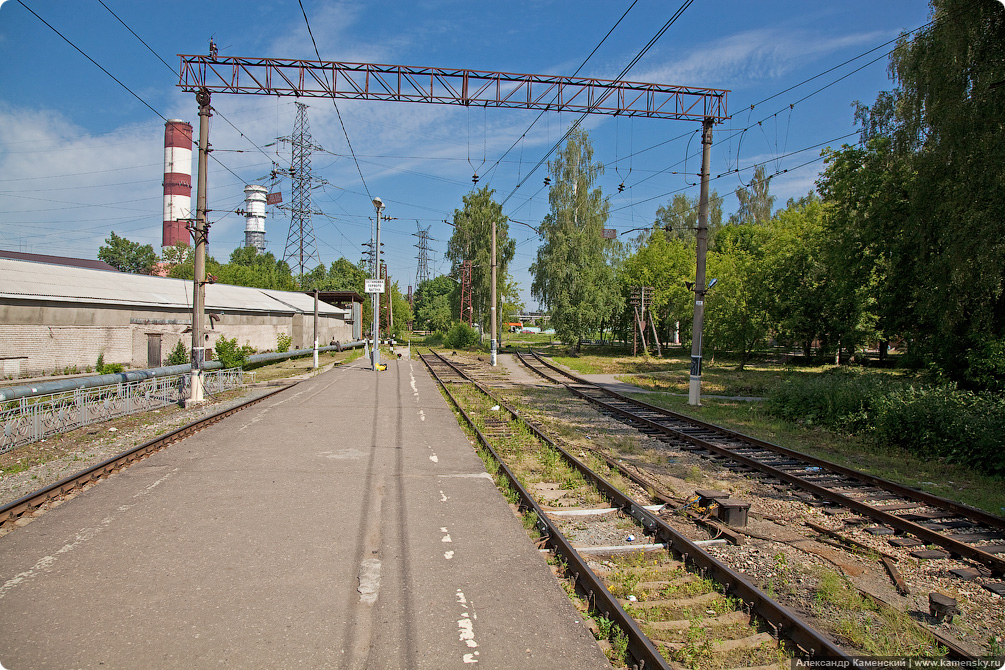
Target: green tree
{"x": 755, "y": 201}
{"x": 436, "y": 302}
{"x": 179, "y": 253}
{"x": 664, "y": 263}
{"x": 572, "y": 276}
{"x": 679, "y": 218}
{"x": 737, "y": 317}
{"x": 248, "y": 267}
{"x": 472, "y": 241}
{"x": 945, "y": 119}
{"x": 802, "y": 299}
{"x": 127, "y": 256}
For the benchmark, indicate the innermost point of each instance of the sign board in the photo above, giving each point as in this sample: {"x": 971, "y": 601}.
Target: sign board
{"x": 610, "y": 234}
{"x": 373, "y": 286}
{"x": 274, "y": 198}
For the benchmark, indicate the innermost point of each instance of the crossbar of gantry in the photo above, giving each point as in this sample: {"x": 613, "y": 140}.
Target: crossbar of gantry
{"x": 402, "y": 83}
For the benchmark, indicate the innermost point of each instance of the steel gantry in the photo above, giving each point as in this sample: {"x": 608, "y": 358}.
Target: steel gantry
{"x": 403, "y": 83}
{"x": 207, "y": 74}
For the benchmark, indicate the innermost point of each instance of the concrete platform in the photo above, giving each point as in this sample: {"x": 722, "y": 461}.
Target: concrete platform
{"x": 344, "y": 523}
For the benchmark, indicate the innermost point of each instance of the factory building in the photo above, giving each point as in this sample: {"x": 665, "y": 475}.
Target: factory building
{"x": 57, "y": 317}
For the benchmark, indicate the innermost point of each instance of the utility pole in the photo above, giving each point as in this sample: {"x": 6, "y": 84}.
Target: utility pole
{"x": 315, "y": 329}
{"x": 378, "y": 204}
{"x": 200, "y": 234}
{"x": 694, "y": 390}
{"x": 492, "y": 310}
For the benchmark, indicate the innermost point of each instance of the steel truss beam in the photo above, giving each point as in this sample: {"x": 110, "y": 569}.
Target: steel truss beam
{"x": 402, "y": 83}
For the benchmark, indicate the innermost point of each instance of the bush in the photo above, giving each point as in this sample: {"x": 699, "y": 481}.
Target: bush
{"x": 461, "y": 335}
{"x": 107, "y": 369}
{"x": 229, "y": 354}
{"x": 179, "y": 355}
{"x": 283, "y": 342}
{"x": 944, "y": 422}
{"x": 929, "y": 421}
{"x": 838, "y": 399}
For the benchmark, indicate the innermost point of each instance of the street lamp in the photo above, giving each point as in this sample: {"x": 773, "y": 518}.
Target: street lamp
{"x": 378, "y": 204}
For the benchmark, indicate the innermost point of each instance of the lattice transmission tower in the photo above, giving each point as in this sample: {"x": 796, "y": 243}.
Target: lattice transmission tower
{"x": 301, "y": 248}
{"x": 422, "y": 272}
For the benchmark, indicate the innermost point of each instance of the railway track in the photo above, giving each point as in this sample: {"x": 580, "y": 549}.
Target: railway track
{"x": 682, "y": 595}
{"x": 911, "y": 518}
{"x": 25, "y": 506}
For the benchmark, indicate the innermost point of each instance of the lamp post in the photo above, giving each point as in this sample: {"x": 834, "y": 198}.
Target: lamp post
{"x": 378, "y": 204}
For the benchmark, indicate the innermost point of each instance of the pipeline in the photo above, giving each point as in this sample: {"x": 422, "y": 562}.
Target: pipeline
{"x": 63, "y": 386}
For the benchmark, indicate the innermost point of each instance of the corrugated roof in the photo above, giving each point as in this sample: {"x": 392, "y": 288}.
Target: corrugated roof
{"x": 57, "y": 260}
{"x": 42, "y": 281}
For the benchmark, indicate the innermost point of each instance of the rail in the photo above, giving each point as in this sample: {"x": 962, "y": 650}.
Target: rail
{"x": 784, "y": 621}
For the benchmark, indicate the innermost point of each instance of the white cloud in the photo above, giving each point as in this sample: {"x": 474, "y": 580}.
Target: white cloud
{"x": 750, "y": 57}
{"x": 62, "y": 189}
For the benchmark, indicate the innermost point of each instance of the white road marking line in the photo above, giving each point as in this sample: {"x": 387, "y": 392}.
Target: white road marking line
{"x": 82, "y": 536}
{"x": 448, "y": 555}
{"x": 466, "y": 628}
{"x": 369, "y": 581}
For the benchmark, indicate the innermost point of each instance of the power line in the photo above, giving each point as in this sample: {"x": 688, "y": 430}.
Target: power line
{"x": 172, "y": 71}
{"x": 334, "y": 104}
{"x": 96, "y": 64}
{"x": 581, "y": 66}
{"x": 578, "y": 121}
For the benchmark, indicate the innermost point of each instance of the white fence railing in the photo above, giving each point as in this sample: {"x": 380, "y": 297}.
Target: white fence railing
{"x": 27, "y": 420}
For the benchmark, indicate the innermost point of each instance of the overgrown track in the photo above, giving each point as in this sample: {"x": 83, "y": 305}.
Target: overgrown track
{"x": 11, "y": 512}
{"x": 916, "y": 517}
{"x": 782, "y": 621}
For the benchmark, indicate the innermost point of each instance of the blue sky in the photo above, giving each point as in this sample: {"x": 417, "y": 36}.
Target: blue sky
{"x": 80, "y": 156}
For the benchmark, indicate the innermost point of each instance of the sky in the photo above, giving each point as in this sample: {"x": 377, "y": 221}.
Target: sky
{"x": 81, "y": 154}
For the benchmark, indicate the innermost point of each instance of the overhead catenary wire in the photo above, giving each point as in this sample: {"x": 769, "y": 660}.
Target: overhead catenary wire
{"x": 545, "y": 111}
{"x": 575, "y": 124}
{"x": 335, "y": 105}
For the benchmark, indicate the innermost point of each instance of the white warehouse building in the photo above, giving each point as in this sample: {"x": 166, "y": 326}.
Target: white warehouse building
{"x": 58, "y": 317}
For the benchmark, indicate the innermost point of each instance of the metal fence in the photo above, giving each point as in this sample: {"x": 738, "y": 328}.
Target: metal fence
{"x": 27, "y": 420}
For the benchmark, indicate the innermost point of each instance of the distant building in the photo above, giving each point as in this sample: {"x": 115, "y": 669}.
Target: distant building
{"x": 54, "y": 317}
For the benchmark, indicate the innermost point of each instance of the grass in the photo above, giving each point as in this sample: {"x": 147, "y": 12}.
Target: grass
{"x": 932, "y": 475}
{"x": 670, "y": 375}
{"x": 876, "y": 630}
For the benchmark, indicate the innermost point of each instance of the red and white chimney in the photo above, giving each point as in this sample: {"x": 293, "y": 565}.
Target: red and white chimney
{"x": 177, "y": 181}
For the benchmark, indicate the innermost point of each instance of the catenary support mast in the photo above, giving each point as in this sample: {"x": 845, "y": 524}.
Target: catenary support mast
{"x": 446, "y": 86}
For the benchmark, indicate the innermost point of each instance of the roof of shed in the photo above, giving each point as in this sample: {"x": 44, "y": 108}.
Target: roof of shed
{"x": 27, "y": 280}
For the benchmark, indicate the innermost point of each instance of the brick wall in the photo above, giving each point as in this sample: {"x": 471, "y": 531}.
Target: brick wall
{"x": 52, "y": 348}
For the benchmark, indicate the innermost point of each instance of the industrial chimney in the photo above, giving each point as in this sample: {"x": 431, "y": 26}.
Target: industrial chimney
{"x": 254, "y": 211}
{"x": 177, "y": 181}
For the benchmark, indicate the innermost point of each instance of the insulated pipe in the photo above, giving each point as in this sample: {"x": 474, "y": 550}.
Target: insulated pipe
{"x": 66, "y": 385}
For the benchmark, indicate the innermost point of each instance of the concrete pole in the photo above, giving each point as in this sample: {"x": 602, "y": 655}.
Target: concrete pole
{"x": 494, "y": 343}
{"x": 694, "y": 390}
{"x": 200, "y": 235}
{"x": 379, "y": 206}
{"x": 315, "y": 329}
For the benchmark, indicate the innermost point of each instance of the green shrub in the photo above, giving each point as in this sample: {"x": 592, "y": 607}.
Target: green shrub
{"x": 283, "y": 342}
{"x": 107, "y": 369}
{"x": 461, "y": 335}
{"x": 838, "y": 399}
{"x": 229, "y": 354}
{"x": 930, "y": 421}
{"x": 944, "y": 422}
{"x": 179, "y": 355}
